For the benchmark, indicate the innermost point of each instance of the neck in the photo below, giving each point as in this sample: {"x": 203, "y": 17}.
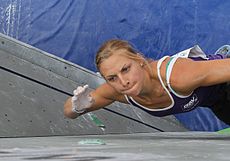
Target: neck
{"x": 152, "y": 86}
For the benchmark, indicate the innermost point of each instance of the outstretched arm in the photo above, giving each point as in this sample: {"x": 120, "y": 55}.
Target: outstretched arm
{"x": 86, "y": 102}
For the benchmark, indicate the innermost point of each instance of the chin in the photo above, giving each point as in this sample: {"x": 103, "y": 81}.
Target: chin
{"x": 132, "y": 92}
{"x": 135, "y": 91}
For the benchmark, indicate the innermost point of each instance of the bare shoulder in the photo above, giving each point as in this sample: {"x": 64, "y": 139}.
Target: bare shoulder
{"x": 187, "y": 74}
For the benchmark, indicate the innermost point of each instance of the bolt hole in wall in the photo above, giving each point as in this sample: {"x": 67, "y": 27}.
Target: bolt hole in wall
{"x": 6, "y": 116}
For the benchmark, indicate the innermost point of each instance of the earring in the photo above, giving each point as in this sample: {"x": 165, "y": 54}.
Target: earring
{"x": 142, "y": 64}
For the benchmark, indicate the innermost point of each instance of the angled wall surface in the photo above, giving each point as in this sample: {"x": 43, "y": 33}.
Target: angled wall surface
{"x": 34, "y": 86}
{"x": 74, "y": 29}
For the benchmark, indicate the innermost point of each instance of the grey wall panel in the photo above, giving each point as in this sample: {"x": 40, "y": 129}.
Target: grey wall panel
{"x": 32, "y": 98}
{"x": 29, "y": 109}
{"x": 49, "y": 62}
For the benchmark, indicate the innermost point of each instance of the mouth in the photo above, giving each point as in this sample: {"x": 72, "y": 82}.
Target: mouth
{"x": 130, "y": 91}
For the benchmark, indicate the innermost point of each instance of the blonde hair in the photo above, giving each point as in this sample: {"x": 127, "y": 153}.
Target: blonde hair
{"x": 110, "y": 47}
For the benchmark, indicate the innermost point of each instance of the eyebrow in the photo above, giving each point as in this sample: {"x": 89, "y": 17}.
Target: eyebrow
{"x": 112, "y": 75}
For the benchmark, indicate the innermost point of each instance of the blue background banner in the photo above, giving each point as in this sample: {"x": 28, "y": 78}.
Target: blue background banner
{"x": 74, "y": 30}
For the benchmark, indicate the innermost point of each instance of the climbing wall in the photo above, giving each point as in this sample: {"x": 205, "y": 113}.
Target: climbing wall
{"x": 34, "y": 86}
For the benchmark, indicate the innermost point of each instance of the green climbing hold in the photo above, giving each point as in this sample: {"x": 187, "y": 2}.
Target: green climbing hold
{"x": 224, "y": 131}
{"x": 96, "y": 120}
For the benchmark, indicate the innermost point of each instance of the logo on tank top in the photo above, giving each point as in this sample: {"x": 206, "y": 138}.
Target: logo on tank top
{"x": 191, "y": 104}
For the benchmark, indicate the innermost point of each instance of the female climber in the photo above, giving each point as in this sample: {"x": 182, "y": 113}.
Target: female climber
{"x": 170, "y": 85}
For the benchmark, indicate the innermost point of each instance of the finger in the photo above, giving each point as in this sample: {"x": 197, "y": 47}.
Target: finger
{"x": 81, "y": 89}
{"x": 78, "y": 90}
{"x": 74, "y": 98}
{"x": 86, "y": 90}
{"x": 86, "y": 86}
{"x": 74, "y": 92}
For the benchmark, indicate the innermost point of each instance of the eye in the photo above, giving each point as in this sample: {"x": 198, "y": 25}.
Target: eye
{"x": 125, "y": 69}
{"x": 111, "y": 79}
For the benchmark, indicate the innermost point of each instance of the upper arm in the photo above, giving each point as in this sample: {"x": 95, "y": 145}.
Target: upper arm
{"x": 188, "y": 75}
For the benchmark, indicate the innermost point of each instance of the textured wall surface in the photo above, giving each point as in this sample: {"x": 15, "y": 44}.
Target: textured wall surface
{"x": 34, "y": 86}
{"x": 74, "y": 29}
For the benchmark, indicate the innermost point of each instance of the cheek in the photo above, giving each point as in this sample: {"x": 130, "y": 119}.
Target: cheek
{"x": 116, "y": 86}
{"x": 137, "y": 75}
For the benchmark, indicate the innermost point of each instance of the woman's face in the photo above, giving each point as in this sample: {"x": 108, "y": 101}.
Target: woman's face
{"x": 125, "y": 75}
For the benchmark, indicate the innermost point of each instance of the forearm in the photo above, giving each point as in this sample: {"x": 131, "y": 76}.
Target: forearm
{"x": 68, "y": 112}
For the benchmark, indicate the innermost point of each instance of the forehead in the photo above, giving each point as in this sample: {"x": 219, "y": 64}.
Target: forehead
{"x": 114, "y": 64}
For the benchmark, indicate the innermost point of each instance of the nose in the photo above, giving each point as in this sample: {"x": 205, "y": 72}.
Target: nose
{"x": 124, "y": 82}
